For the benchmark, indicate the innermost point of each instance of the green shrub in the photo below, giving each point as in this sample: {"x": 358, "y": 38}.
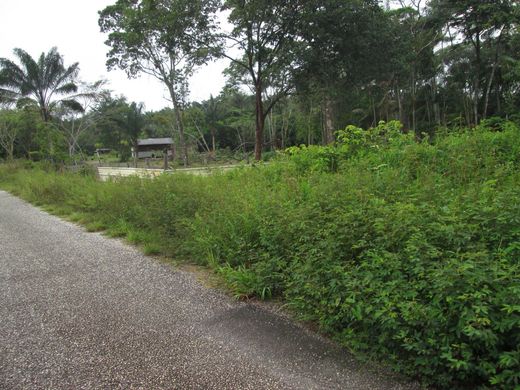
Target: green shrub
{"x": 405, "y": 251}
{"x": 314, "y": 158}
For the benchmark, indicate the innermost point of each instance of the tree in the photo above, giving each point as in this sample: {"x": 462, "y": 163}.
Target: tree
{"x": 73, "y": 124}
{"x": 211, "y": 109}
{"x": 109, "y": 131}
{"x": 134, "y": 122}
{"x": 119, "y": 124}
{"x": 166, "y": 39}
{"x": 9, "y": 130}
{"x": 46, "y": 83}
{"x": 414, "y": 67}
{"x": 347, "y": 47}
{"x": 476, "y": 21}
{"x": 197, "y": 126}
{"x": 237, "y": 116}
{"x": 264, "y": 32}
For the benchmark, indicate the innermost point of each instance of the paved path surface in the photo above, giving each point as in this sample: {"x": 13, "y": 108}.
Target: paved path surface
{"x": 80, "y": 311}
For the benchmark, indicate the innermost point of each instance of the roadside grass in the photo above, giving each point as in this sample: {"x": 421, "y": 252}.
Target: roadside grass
{"x": 76, "y": 217}
{"x": 95, "y": 226}
{"x": 151, "y": 248}
{"x": 407, "y": 252}
{"x": 118, "y": 229}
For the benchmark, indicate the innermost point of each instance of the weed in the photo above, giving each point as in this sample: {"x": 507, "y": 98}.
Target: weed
{"x": 95, "y": 226}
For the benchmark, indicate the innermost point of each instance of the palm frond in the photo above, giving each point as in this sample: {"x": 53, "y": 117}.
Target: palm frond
{"x": 11, "y": 75}
{"x": 26, "y": 102}
{"x": 67, "y": 76}
{"x": 31, "y": 73}
{"x": 66, "y": 89}
{"x": 7, "y": 97}
{"x": 40, "y": 79}
{"x": 51, "y": 66}
{"x": 72, "y": 104}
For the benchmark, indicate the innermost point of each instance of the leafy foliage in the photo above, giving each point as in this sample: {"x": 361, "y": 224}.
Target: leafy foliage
{"x": 406, "y": 251}
{"x": 39, "y": 82}
{"x": 166, "y": 39}
{"x": 265, "y": 34}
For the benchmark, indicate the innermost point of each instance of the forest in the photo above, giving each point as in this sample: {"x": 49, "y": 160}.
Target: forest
{"x": 299, "y": 71}
{"x": 387, "y": 216}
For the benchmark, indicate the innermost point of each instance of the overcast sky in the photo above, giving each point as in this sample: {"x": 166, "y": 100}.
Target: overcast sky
{"x": 71, "y": 26}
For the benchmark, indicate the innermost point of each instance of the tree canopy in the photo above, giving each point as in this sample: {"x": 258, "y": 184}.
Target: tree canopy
{"x": 298, "y": 71}
{"x": 166, "y": 39}
{"x": 45, "y": 83}
{"x": 265, "y": 36}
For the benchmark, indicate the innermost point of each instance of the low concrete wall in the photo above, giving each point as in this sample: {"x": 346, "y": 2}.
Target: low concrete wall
{"x": 107, "y": 172}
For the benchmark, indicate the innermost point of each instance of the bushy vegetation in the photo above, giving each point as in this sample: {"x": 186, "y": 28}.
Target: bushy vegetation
{"x": 403, "y": 250}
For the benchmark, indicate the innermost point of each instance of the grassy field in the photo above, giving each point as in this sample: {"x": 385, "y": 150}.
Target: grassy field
{"x": 403, "y": 251}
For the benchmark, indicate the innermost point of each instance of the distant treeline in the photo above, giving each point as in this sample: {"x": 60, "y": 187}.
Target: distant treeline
{"x": 312, "y": 67}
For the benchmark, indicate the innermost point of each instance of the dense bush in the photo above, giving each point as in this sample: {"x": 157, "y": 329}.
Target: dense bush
{"x": 407, "y": 251}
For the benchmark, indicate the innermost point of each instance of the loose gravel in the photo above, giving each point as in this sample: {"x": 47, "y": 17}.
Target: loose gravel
{"x": 82, "y": 311}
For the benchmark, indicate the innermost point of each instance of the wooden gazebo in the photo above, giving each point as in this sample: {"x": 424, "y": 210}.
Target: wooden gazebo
{"x": 152, "y": 147}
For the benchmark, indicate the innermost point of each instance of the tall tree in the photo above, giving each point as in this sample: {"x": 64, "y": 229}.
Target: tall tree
{"x": 134, "y": 122}
{"x": 119, "y": 124}
{"x": 413, "y": 64}
{"x": 211, "y": 109}
{"x": 73, "y": 124}
{"x": 264, "y": 34}
{"x": 347, "y": 47}
{"x": 166, "y": 39}
{"x": 46, "y": 83}
{"x": 476, "y": 21}
{"x": 9, "y": 130}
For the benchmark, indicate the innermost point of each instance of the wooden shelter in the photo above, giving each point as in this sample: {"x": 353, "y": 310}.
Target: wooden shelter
{"x": 152, "y": 148}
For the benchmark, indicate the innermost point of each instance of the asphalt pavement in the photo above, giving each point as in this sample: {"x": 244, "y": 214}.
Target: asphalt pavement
{"x": 79, "y": 310}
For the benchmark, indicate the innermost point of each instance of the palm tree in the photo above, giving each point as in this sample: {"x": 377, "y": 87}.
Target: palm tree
{"x": 212, "y": 112}
{"x": 45, "y": 83}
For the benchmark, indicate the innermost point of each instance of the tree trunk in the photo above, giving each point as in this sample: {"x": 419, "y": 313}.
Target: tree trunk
{"x": 328, "y": 125}
{"x": 399, "y": 102}
{"x": 467, "y": 110}
{"x": 174, "y": 151}
{"x": 491, "y": 78}
{"x": 213, "y": 154}
{"x": 373, "y": 107}
{"x": 309, "y": 126}
{"x": 272, "y": 130}
{"x": 477, "y": 80}
{"x": 497, "y": 95}
{"x": 437, "y": 114}
{"x": 180, "y": 125}
{"x": 488, "y": 91}
{"x": 46, "y": 116}
{"x": 135, "y": 154}
{"x": 182, "y": 139}
{"x": 285, "y": 127}
{"x": 428, "y": 112}
{"x": 260, "y": 122}
{"x": 414, "y": 100}
{"x": 10, "y": 152}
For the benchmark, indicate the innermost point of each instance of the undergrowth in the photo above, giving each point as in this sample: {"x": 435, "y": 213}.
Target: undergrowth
{"x": 405, "y": 251}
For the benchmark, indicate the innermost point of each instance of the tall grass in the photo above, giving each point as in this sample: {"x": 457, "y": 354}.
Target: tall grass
{"x": 408, "y": 252}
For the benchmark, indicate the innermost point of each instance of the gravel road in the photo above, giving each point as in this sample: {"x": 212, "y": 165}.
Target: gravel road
{"x": 81, "y": 311}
